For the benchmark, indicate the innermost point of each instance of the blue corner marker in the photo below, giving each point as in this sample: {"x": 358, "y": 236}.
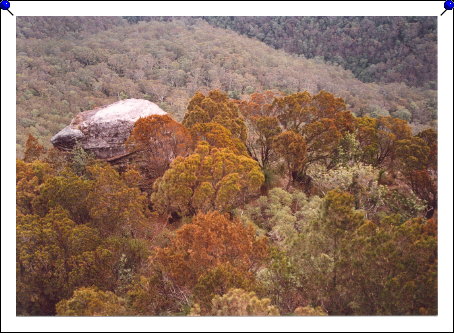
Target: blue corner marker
{"x": 4, "y": 5}
{"x": 449, "y": 5}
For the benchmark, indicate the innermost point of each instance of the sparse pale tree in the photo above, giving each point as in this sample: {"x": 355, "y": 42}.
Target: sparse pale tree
{"x": 309, "y": 311}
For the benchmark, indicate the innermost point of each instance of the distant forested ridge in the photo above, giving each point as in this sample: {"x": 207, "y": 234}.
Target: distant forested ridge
{"x": 64, "y": 26}
{"x": 68, "y": 65}
{"x": 375, "y": 49}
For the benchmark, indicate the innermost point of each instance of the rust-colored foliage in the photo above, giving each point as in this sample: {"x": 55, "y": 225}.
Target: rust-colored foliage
{"x": 293, "y": 111}
{"x": 378, "y": 138}
{"x": 321, "y": 119}
{"x": 262, "y": 132}
{"x": 322, "y": 138}
{"x": 430, "y": 138}
{"x": 423, "y": 183}
{"x": 89, "y": 242}
{"x": 417, "y": 158}
{"x": 33, "y": 149}
{"x": 292, "y": 148}
{"x": 412, "y": 153}
{"x": 210, "y": 240}
{"x": 258, "y": 104}
{"x": 156, "y": 141}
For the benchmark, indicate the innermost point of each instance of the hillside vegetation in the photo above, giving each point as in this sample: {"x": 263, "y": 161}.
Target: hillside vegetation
{"x": 68, "y": 70}
{"x": 297, "y": 207}
{"x": 375, "y": 49}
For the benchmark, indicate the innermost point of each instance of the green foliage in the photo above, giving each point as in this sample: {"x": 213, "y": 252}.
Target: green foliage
{"x": 217, "y": 108}
{"x": 61, "y": 244}
{"x": 280, "y": 214}
{"x": 281, "y": 281}
{"x": 218, "y": 281}
{"x": 29, "y": 178}
{"x": 209, "y": 179}
{"x": 80, "y": 160}
{"x": 114, "y": 206}
{"x": 237, "y": 302}
{"x": 68, "y": 191}
{"x": 47, "y": 249}
{"x": 388, "y": 49}
{"x": 309, "y": 311}
{"x": 92, "y": 302}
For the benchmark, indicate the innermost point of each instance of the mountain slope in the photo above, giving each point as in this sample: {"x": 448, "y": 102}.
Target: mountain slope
{"x": 375, "y": 49}
{"x": 167, "y": 62}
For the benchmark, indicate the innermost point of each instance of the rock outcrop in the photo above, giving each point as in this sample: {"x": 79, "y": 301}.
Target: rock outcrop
{"x": 104, "y": 130}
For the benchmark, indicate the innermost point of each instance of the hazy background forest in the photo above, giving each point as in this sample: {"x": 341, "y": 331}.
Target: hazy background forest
{"x": 380, "y": 66}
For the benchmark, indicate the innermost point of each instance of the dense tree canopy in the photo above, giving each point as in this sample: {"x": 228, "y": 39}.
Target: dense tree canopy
{"x": 216, "y": 108}
{"x": 385, "y": 49}
{"x": 211, "y": 178}
{"x": 277, "y": 184}
{"x": 210, "y": 240}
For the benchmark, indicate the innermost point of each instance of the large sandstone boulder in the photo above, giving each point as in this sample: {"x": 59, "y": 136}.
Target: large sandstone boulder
{"x": 104, "y": 130}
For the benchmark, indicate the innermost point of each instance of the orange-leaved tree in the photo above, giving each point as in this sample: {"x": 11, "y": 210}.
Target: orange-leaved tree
{"x": 291, "y": 146}
{"x": 378, "y": 137}
{"x": 33, "y": 149}
{"x": 258, "y": 104}
{"x": 262, "y": 131}
{"x": 156, "y": 141}
{"x": 210, "y": 240}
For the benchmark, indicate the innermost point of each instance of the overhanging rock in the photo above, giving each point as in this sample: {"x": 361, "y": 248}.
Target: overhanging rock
{"x": 103, "y": 131}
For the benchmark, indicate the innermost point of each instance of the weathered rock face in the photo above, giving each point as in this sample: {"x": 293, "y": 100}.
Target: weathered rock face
{"x": 104, "y": 131}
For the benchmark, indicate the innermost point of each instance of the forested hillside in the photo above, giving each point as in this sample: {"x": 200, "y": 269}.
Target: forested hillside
{"x": 63, "y": 69}
{"x": 272, "y": 185}
{"x": 375, "y": 49}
